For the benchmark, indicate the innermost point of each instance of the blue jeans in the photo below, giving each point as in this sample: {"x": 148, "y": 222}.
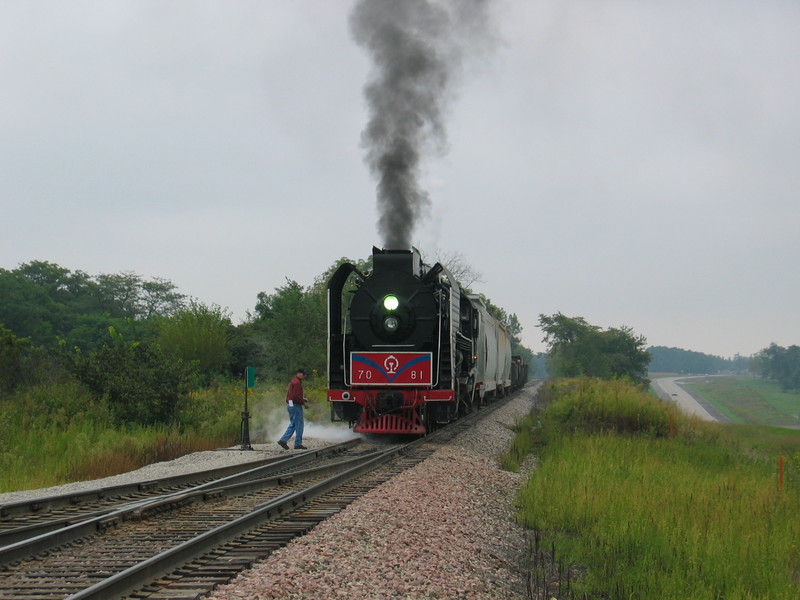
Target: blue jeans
{"x": 296, "y": 425}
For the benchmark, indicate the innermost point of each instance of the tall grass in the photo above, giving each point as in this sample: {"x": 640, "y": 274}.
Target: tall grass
{"x": 630, "y": 513}
{"x": 593, "y": 406}
{"x": 53, "y": 455}
{"x": 54, "y": 434}
{"x": 522, "y": 444}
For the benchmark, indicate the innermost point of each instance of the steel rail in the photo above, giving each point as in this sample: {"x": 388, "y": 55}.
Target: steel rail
{"x": 157, "y": 566}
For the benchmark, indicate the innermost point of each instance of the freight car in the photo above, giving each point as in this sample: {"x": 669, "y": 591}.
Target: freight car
{"x": 409, "y": 350}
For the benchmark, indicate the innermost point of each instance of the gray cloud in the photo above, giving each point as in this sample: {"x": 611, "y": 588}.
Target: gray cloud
{"x": 631, "y": 163}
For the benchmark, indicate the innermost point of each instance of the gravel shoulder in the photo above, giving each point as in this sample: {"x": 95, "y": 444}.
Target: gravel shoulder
{"x": 444, "y": 529}
{"x": 190, "y": 463}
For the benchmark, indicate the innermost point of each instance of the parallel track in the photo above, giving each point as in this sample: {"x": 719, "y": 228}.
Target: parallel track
{"x": 26, "y": 519}
{"x": 184, "y": 544}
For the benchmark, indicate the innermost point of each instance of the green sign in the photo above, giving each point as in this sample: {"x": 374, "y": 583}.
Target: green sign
{"x": 250, "y": 373}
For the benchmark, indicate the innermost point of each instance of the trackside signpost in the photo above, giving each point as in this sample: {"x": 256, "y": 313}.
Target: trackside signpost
{"x": 249, "y": 382}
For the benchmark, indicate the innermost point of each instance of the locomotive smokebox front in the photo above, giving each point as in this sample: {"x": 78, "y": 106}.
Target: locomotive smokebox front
{"x": 395, "y": 307}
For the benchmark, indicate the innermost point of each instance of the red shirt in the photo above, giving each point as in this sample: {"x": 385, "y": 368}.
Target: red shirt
{"x": 295, "y": 392}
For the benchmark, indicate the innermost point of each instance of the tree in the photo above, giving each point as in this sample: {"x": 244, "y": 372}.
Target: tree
{"x": 780, "y": 364}
{"x": 26, "y": 308}
{"x": 573, "y": 345}
{"x": 677, "y": 360}
{"x": 160, "y": 298}
{"x": 14, "y": 356}
{"x": 790, "y": 376}
{"x": 48, "y": 303}
{"x": 118, "y": 294}
{"x": 626, "y": 354}
{"x": 248, "y": 347}
{"x": 578, "y": 348}
{"x": 140, "y": 384}
{"x": 289, "y": 329}
{"x": 200, "y": 334}
{"x": 293, "y": 321}
{"x": 57, "y": 282}
{"x": 462, "y": 270}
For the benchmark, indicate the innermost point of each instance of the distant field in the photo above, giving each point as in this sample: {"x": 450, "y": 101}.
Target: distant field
{"x": 750, "y": 401}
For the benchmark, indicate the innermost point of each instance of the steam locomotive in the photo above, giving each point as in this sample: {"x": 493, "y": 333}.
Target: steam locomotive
{"x": 408, "y": 350}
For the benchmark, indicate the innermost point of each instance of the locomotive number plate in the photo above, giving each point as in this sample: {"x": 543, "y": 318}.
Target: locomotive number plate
{"x": 391, "y": 368}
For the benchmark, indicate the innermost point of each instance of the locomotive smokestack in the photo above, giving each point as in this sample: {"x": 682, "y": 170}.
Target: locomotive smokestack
{"x": 407, "y": 261}
{"x": 417, "y": 48}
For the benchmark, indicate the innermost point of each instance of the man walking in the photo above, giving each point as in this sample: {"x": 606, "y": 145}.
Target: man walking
{"x": 295, "y": 402}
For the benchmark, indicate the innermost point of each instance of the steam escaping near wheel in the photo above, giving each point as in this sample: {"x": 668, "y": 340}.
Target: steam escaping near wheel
{"x": 417, "y": 48}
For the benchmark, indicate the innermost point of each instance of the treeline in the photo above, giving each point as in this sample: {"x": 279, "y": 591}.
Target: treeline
{"x": 775, "y": 362}
{"x": 779, "y": 364}
{"x": 677, "y": 360}
{"x": 46, "y": 303}
{"x": 139, "y": 345}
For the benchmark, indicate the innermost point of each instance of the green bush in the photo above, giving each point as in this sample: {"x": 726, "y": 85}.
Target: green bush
{"x": 213, "y": 412}
{"x": 594, "y": 405}
{"x": 140, "y": 384}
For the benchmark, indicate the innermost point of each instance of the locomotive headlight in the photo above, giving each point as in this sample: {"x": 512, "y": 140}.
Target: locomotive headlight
{"x": 391, "y": 303}
{"x": 391, "y": 324}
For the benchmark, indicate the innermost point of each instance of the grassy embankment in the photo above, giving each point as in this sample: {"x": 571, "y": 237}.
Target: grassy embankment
{"x": 618, "y": 509}
{"x": 748, "y": 400}
{"x": 50, "y": 435}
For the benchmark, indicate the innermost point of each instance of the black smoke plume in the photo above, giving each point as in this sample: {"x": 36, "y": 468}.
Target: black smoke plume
{"x": 417, "y": 48}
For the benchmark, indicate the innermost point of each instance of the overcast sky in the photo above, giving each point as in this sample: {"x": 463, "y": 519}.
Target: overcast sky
{"x": 633, "y": 162}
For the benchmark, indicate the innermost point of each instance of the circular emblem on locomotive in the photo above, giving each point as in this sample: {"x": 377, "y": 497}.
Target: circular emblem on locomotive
{"x": 390, "y": 364}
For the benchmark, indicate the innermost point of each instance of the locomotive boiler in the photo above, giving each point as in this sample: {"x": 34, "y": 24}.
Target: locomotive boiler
{"x": 408, "y": 350}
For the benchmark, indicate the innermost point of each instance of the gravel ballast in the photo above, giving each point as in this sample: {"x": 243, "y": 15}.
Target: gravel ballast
{"x": 443, "y": 529}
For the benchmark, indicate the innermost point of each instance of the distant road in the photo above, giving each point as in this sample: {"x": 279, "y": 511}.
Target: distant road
{"x": 670, "y": 389}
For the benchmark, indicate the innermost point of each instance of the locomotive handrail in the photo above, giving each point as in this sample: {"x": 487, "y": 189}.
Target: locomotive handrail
{"x": 335, "y": 287}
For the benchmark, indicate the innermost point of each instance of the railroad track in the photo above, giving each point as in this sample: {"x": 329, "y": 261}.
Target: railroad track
{"x": 182, "y": 544}
{"x": 29, "y": 518}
